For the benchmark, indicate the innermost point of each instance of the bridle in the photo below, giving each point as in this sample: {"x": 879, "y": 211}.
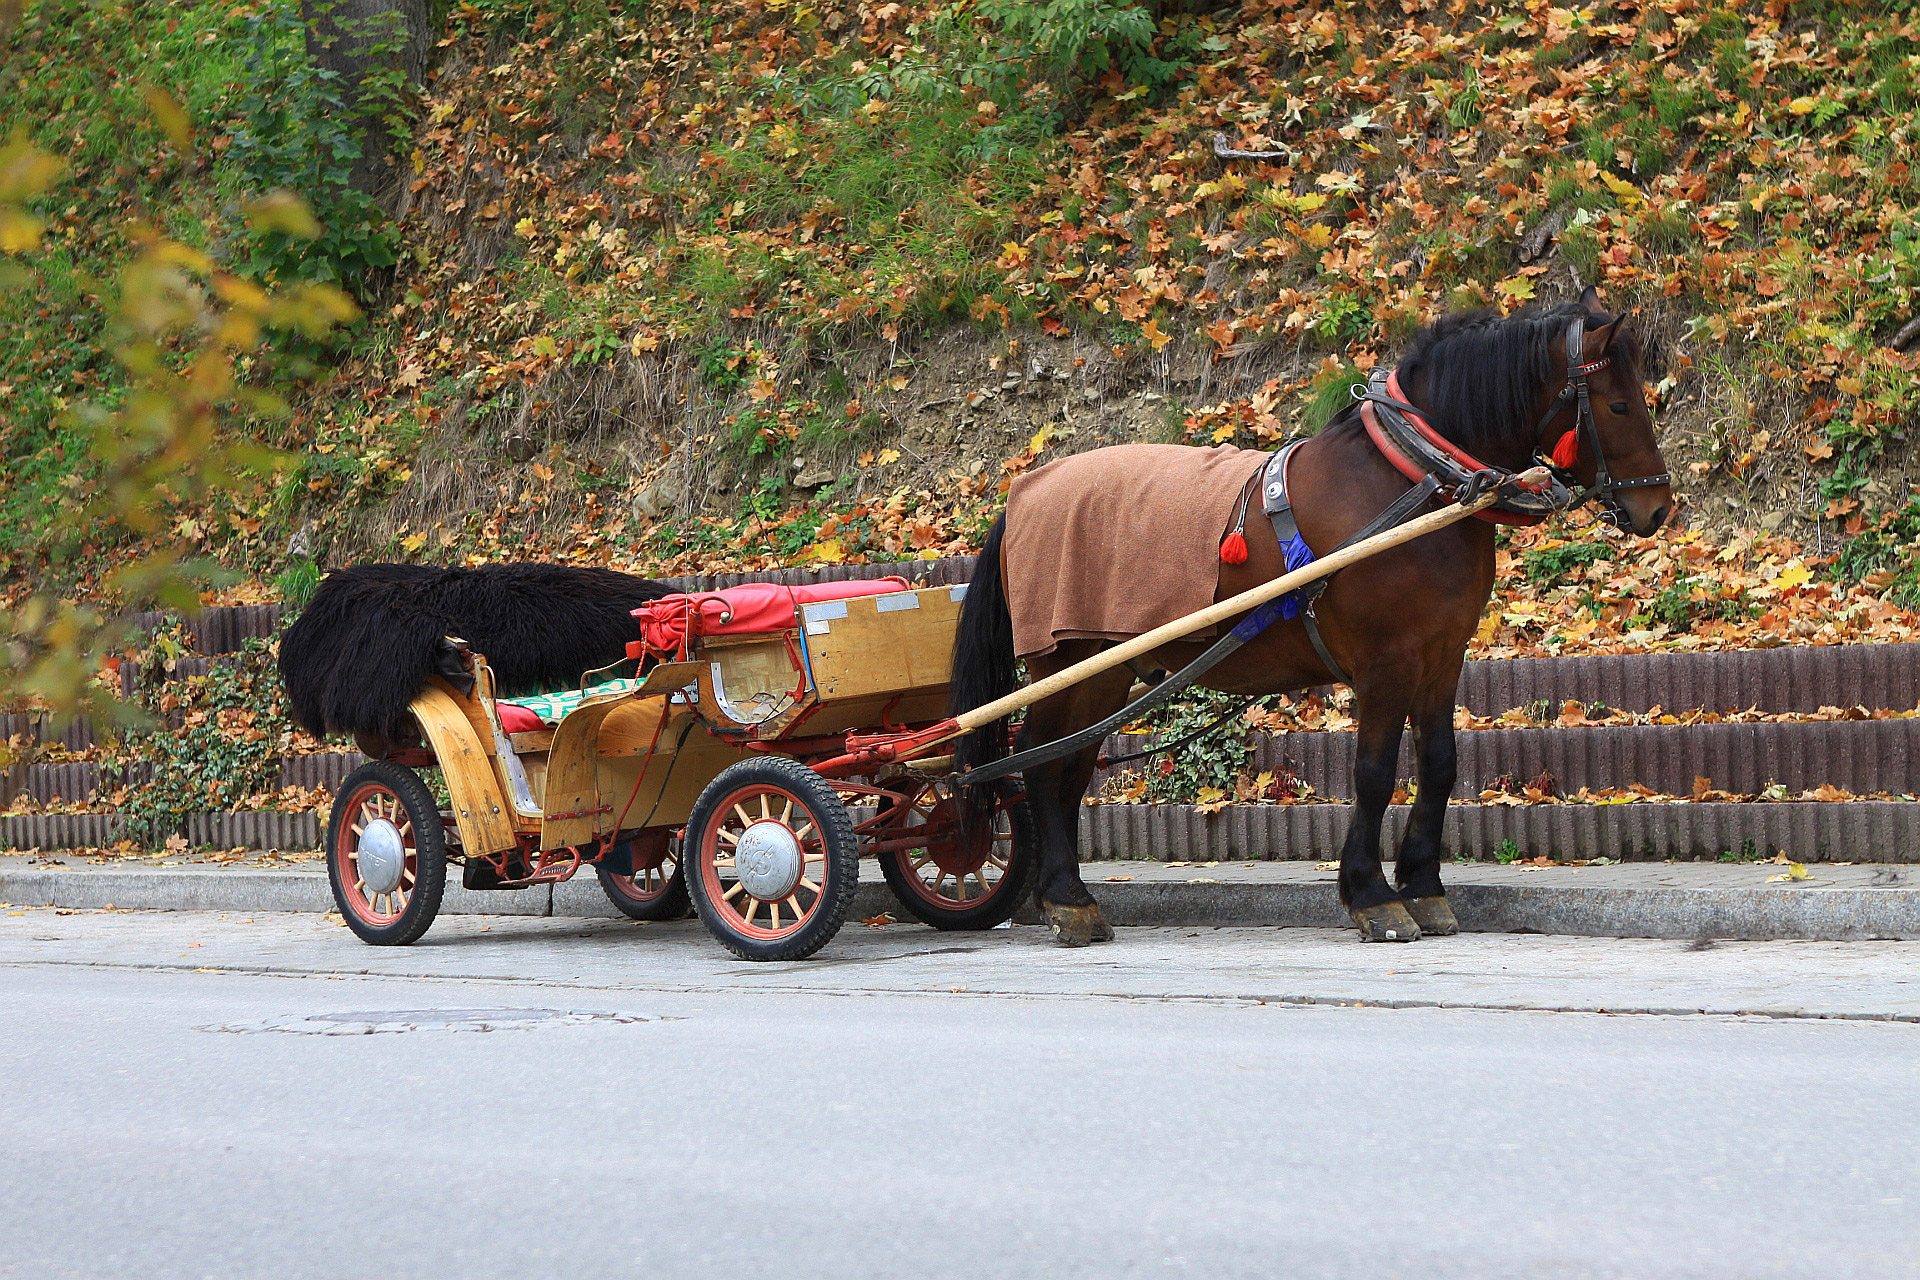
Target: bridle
{"x": 1585, "y": 432}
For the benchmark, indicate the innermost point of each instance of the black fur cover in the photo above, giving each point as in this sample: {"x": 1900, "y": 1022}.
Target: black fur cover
{"x": 364, "y": 647}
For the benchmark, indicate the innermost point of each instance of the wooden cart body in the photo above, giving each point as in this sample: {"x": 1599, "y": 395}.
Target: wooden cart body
{"x": 638, "y": 759}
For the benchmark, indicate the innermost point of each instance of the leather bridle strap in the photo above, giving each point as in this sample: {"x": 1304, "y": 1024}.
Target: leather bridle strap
{"x": 1587, "y": 429}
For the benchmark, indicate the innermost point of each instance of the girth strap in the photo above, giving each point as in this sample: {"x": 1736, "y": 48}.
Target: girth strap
{"x": 1276, "y": 500}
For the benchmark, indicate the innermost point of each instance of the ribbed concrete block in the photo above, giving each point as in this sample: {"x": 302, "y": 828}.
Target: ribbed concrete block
{"x": 60, "y": 830}
{"x": 322, "y": 769}
{"x": 77, "y": 735}
{"x": 224, "y": 629}
{"x": 1861, "y": 756}
{"x": 1784, "y": 679}
{"x": 262, "y": 829}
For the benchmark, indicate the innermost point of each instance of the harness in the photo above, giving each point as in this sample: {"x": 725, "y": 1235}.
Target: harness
{"x": 1417, "y": 451}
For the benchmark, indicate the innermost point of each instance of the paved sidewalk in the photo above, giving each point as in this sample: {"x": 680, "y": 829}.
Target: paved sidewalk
{"x": 1682, "y": 900}
{"x": 1822, "y": 980}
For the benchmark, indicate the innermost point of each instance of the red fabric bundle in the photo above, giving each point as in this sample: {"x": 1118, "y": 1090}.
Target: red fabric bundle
{"x": 668, "y": 623}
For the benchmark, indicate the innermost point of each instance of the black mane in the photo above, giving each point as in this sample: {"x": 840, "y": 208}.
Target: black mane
{"x": 1481, "y": 374}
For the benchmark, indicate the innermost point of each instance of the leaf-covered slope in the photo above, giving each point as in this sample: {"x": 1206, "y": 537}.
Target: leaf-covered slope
{"x": 657, "y": 256}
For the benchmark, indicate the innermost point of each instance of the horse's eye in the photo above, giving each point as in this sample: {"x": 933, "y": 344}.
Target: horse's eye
{"x": 1619, "y": 407}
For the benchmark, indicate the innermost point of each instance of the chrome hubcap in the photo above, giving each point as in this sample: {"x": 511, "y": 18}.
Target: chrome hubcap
{"x": 768, "y": 860}
{"x": 381, "y": 856}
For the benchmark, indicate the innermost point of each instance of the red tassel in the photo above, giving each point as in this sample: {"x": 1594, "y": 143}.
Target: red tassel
{"x": 1234, "y": 549}
{"x": 1567, "y": 452}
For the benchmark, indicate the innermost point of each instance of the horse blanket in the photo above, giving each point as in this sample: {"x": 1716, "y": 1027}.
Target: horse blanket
{"x": 1114, "y": 542}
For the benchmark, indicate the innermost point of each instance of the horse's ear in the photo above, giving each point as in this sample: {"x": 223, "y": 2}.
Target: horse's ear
{"x": 1599, "y": 339}
{"x": 1590, "y": 299}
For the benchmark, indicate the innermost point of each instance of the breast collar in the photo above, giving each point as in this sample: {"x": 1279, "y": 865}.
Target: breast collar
{"x": 1402, "y": 434}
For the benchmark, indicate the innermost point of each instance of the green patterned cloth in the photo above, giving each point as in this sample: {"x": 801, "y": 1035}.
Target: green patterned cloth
{"x": 552, "y": 708}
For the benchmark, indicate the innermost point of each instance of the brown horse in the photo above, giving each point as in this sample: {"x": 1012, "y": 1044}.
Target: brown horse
{"x": 1501, "y": 389}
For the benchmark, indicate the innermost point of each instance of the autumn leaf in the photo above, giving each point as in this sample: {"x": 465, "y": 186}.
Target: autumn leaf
{"x": 544, "y": 345}
{"x": 1792, "y": 576}
{"x": 1514, "y": 290}
{"x": 1210, "y": 799}
{"x": 888, "y": 457}
{"x": 1156, "y": 339}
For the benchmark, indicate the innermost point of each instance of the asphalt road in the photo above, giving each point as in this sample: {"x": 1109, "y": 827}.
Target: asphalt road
{"x": 188, "y": 1095}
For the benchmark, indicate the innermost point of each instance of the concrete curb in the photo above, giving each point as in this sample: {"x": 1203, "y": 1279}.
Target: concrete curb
{"x": 1588, "y": 909}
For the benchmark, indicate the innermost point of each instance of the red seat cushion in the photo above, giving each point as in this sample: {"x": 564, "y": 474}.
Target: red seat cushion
{"x": 517, "y": 719}
{"x": 748, "y": 609}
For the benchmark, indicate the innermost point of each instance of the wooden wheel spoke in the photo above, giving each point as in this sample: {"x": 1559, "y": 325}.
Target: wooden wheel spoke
{"x": 922, "y": 861}
{"x": 746, "y": 819}
{"x": 728, "y": 836}
{"x": 725, "y": 864}
{"x": 808, "y": 884}
{"x": 793, "y": 900}
{"x": 737, "y": 888}
{"x": 802, "y": 833}
{"x": 766, "y": 810}
{"x": 786, "y": 813}
{"x": 773, "y": 910}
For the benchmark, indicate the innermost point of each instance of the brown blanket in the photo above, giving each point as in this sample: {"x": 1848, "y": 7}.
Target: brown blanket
{"x": 1115, "y": 542}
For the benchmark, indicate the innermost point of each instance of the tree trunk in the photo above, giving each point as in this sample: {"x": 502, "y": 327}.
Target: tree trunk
{"x": 357, "y": 39}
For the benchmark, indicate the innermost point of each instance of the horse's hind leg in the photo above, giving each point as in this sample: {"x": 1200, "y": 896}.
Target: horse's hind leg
{"x": 1054, "y": 792}
{"x": 1372, "y": 903}
{"x": 1417, "y": 871}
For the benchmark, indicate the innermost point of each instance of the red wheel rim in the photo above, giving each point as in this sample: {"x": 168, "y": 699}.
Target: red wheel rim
{"x": 373, "y": 802}
{"x": 655, "y": 863}
{"x": 947, "y": 872}
{"x": 727, "y": 894}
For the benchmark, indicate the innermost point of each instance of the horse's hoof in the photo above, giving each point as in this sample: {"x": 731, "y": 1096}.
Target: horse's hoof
{"x": 1385, "y": 922}
{"x": 1433, "y": 915}
{"x": 1078, "y": 926}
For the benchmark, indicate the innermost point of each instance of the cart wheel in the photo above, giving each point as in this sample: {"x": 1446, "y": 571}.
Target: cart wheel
{"x": 386, "y": 854}
{"x": 774, "y": 860}
{"x": 951, "y": 885}
{"x": 657, "y": 889}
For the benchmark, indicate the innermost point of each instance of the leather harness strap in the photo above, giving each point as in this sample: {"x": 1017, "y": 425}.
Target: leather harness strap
{"x": 1276, "y": 501}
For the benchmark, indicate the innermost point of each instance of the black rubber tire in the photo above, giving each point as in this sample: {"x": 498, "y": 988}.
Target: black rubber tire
{"x": 429, "y": 854}
{"x": 839, "y": 845}
{"x": 987, "y": 912}
{"x": 670, "y": 903}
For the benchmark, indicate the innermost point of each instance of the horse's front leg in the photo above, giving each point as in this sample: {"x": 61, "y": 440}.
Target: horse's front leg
{"x": 1371, "y": 902}
{"x": 1417, "y": 872}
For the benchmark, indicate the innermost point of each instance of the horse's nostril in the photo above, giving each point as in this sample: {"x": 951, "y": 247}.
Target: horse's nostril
{"x": 1659, "y": 518}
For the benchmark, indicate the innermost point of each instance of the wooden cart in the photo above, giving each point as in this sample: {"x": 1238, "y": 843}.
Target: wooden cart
{"x": 748, "y": 772}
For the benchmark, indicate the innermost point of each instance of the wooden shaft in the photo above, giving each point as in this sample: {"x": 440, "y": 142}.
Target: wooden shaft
{"x": 1066, "y": 677}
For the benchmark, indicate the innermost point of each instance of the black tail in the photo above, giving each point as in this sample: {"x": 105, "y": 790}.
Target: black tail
{"x": 983, "y": 668}
{"x": 365, "y": 645}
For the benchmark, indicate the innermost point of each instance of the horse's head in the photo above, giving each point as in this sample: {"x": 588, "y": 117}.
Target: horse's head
{"x": 1604, "y": 438}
